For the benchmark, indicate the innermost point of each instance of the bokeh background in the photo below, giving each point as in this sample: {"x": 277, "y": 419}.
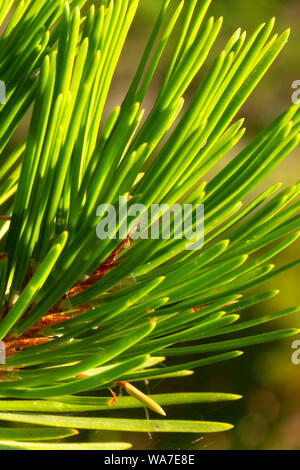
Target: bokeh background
{"x": 268, "y": 416}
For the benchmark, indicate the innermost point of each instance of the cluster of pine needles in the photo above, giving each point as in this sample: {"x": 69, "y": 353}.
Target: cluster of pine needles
{"x": 79, "y": 314}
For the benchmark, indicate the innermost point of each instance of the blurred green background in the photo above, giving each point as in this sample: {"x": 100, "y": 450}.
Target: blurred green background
{"x": 268, "y": 416}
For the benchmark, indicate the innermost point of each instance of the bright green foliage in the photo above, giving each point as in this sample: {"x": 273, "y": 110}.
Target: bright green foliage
{"x": 53, "y": 181}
